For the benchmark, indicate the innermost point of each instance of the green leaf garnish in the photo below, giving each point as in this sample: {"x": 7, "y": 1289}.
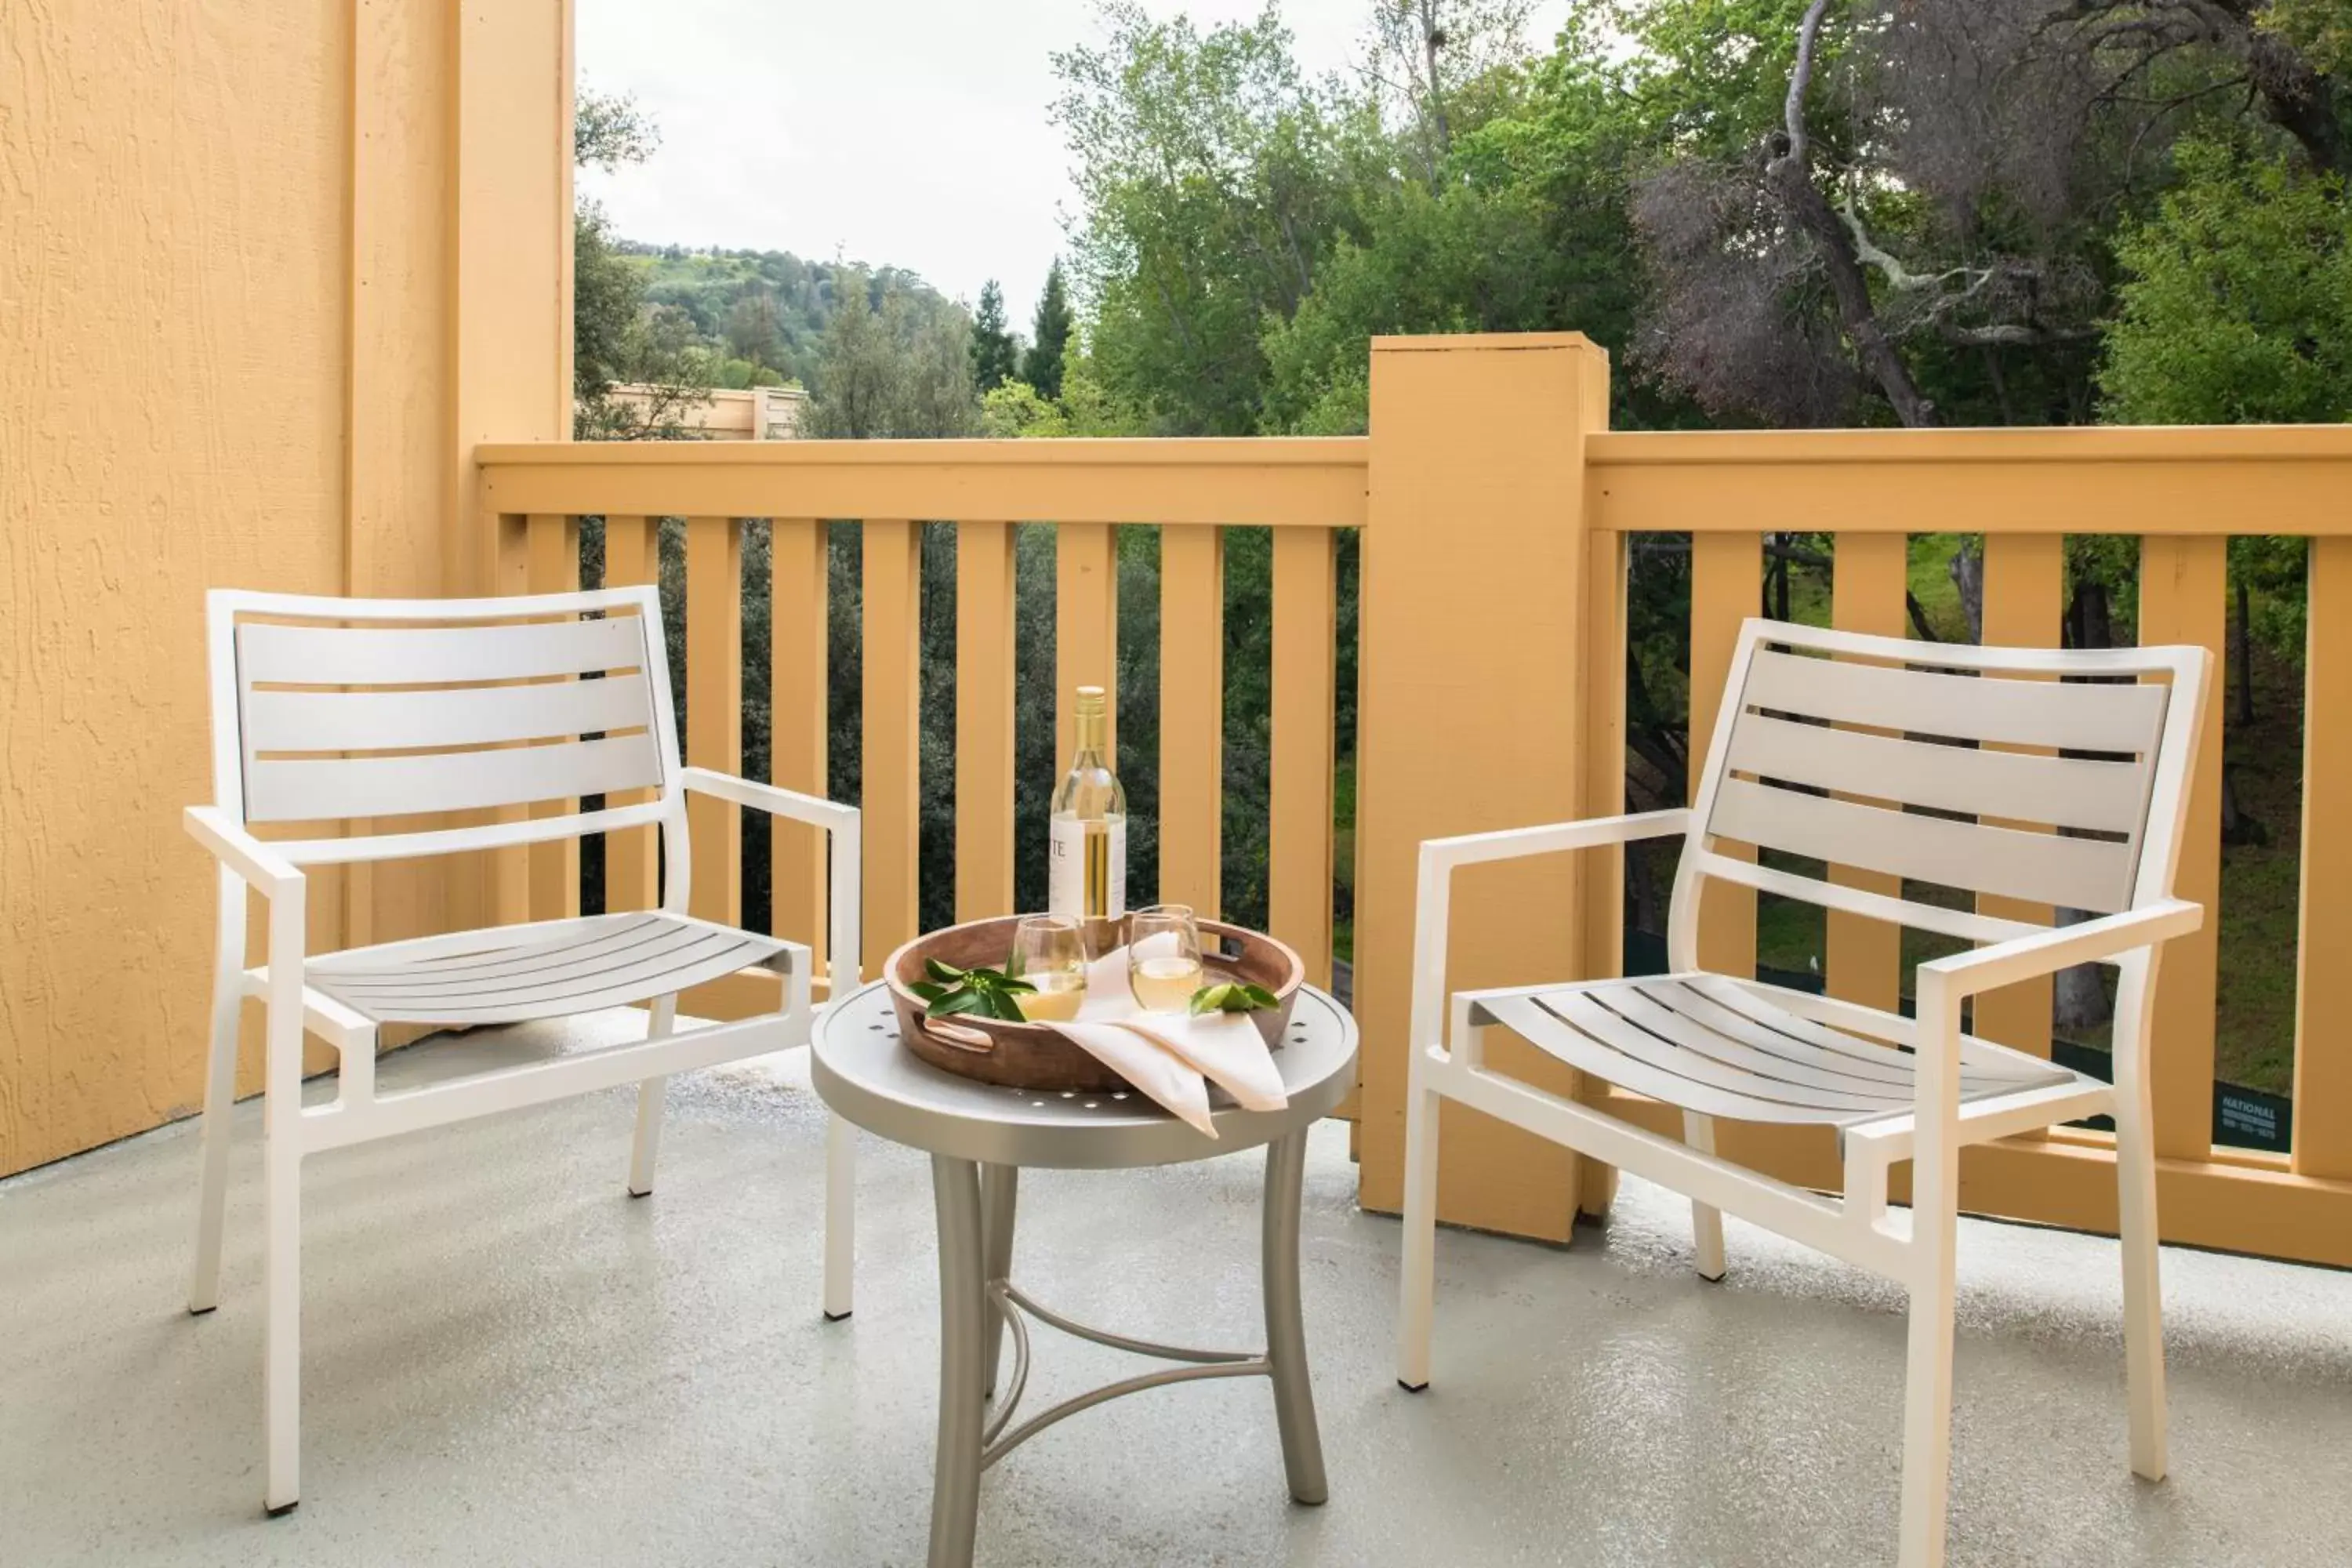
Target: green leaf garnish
{"x": 984, "y": 993}
{"x": 1234, "y": 996}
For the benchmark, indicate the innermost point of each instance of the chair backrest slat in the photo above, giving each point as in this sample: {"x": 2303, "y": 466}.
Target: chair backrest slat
{"x": 2083, "y": 718}
{"x": 382, "y": 710}
{"x": 330, "y": 789}
{"x": 281, "y": 720}
{"x": 2067, "y": 792}
{"x": 2046, "y": 776}
{"x": 379, "y": 656}
{"x": 2076, "y": 873}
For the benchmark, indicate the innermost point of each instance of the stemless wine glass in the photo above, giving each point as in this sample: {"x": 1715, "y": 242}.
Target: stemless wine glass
{"x": 1049, "y": 952}
{"x": 1163, "y": 957}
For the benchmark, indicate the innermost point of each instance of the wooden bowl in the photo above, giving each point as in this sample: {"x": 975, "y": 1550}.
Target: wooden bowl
{"x": 1031, "y": 1056}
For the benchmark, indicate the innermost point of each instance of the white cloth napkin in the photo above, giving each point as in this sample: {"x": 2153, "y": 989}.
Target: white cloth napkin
{"x": 1171, "y": 1057}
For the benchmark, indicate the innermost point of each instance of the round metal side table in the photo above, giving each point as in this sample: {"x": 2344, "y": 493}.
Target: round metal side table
{"x": 980, "y": 1135}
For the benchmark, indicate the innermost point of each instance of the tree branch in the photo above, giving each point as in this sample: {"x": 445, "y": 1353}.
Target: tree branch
{"x": 1790, "y": 175}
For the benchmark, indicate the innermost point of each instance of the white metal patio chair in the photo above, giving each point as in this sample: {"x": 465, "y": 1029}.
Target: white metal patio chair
{"x": 1969, "y": 740}
{"x": 380, "y": 715}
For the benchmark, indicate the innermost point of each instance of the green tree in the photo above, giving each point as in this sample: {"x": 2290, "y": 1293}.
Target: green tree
{"x": 2236, "y": 304}
{"x": 996, "y": 356}
{"x": 609, "y": 132}
{"x": 612, "y": 339}
{"x": 896, "y": 369}
{"x": 2236, "y": 308}
{"x": 2320, "y": 29}
{"x": 1049, "y": 344}
{"x": 1211, "y": 176}
{"x": 754, "y": 328}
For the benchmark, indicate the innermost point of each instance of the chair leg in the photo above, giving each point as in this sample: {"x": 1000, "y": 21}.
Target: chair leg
{"x": 1707, "y": 1224}
{"x": 1928, "y": 1393}
{"x": 282, "y": 1356}
{"x": 647, "y": 1143}
{"x": 1417, "y": 1288}
{"x": 840, "y": 1215}
{"x": 220, "y": 1103}
{"x": 2142, "y": 1295}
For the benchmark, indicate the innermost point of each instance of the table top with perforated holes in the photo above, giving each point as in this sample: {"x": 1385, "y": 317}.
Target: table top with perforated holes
{"x": 864, "y": 1074}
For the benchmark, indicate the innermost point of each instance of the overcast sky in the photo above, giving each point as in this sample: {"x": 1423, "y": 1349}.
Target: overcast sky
{"x": 907, "y": 132}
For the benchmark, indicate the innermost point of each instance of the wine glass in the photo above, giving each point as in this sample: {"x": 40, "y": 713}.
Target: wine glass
{"x": 1163, "y": 957}
{"x": 1049, "y": 952}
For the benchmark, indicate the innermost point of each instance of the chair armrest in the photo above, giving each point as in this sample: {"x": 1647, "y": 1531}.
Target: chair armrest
{"x": 2048, "y": 952}
{"x": 812, "y": 809}
{"x": 1441, "y": 854}
{"x": 841, "y": 823}
{"x": 1433, "y": 897}
{"x": 1944, "y": 983}
{"x": 261, "y": 867}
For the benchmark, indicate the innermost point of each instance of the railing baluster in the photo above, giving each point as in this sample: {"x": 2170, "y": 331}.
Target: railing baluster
{"x": 633, "y": 855}
{"x": 2183, "y": 593}
{"x": 1192, "y": 713}
{"x": 983, "y": 766}
{"x": 1085, "y": 629}
{"x": 504, "y": 887}
{"x": 714, "y": 709}
{"x": 1726, "y": 579}
{"x": 798, "y": 648}
{"x": 890, "y": 796}
{"x": 1306, "y": 647}
{"x": 553, "y": 547}
{"x": 1867, "y": 585}
{"x": 2323, "y": 1039}
{"x": 2024, "y": 603}
{"x": 1602, "y": 925}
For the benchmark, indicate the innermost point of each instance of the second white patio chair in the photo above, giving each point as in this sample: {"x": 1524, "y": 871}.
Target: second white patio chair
{"x": 1923, "y": 761}
{"x": 384, "y": 716}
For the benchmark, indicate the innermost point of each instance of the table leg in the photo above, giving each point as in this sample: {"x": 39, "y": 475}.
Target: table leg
{"x": 964, "y": 1319}
{"x": 1285, "y": 1334}
{"x": 1000, "y": 1191}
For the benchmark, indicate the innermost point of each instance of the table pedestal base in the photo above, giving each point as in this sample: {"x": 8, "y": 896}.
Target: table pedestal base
{"x": 979, "y": 1305}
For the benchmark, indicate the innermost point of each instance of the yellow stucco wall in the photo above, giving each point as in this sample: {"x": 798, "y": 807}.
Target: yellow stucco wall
{"x": 229, "y": 240}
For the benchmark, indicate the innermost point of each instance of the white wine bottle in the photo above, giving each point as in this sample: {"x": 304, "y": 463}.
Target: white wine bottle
{"x": 1088, "y": 881}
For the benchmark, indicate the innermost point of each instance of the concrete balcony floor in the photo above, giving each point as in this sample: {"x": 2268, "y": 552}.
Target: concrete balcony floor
{"x": 509, "y": 1363}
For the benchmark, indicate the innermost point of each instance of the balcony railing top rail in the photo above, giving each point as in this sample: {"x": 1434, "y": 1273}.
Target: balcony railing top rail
{"x": 1316, "y": 482}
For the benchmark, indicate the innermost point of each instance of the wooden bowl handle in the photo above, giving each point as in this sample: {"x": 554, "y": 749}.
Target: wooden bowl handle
{"x": 962, "y": 1036}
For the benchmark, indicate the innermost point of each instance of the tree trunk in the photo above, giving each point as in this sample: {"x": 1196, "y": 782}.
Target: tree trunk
{"x": 1790, "y": 175}
{"x": 1872, "y": 348}
{"x": 2242, "y": 650}
{"x": 2299, "y": 100}
{"x": 2089, "y": 623}
{"x": 2078, "y": 997}
{"x": 1968, "y": 576}
{"x": 1433, "y": 37}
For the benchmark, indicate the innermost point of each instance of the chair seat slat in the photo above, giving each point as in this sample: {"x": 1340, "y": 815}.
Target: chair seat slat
{"x": 565, "y": 968}
{"x": 1676, "y": 1038}
{"x": 1596, "y": 1012}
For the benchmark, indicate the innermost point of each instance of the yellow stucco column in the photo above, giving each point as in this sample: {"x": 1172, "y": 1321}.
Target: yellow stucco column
{"x": 1471, "y": 717}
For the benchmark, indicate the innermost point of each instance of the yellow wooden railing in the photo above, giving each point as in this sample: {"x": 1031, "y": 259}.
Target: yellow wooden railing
{"x": 1305, "y": 491}
{"x": 1496, "y": 511}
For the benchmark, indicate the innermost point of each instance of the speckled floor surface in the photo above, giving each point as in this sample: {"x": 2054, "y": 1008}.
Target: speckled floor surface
{"x": 508, "y": 1363}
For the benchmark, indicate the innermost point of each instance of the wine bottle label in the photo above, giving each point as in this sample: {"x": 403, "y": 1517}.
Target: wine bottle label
{"x": 1088, "y": 870}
